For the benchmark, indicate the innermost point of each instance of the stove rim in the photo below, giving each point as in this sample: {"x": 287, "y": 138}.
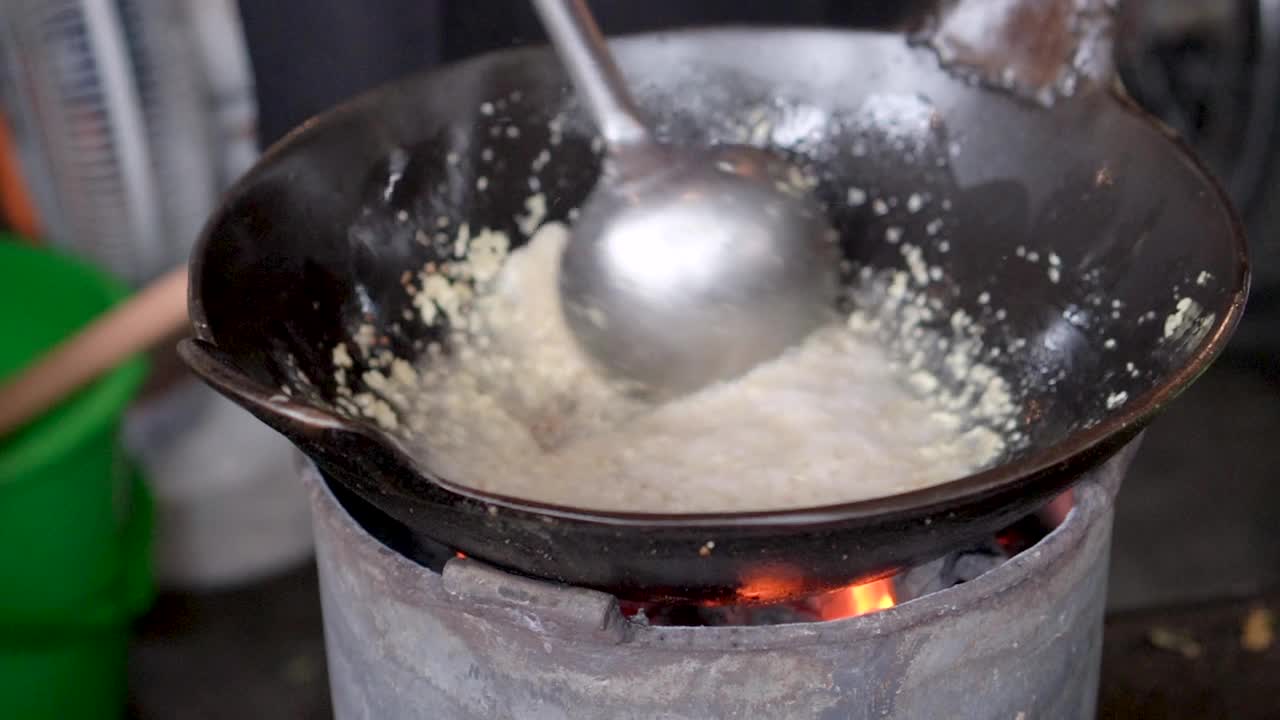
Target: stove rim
{"x": 1094, "y": 499}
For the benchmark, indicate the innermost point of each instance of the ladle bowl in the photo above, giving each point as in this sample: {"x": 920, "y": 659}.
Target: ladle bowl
{"x": 1100, "y": 265}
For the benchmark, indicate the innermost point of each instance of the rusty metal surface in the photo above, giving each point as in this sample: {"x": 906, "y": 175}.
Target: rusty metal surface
{"x": 1024, "y": 640}
{"x": 1040, "y": 49}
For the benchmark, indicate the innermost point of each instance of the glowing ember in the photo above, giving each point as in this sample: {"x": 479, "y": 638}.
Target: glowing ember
{"x": 769, "y": 583}
{"x": 856, "y": 600}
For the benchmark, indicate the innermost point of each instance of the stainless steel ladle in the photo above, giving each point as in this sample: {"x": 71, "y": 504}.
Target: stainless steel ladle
{"x": 687, "y": 265}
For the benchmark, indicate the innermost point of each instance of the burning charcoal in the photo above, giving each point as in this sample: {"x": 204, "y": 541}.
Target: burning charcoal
{"x": 972, "y": 565}
{"x": 948, "y": 571}
{"x": 922, "y": 580}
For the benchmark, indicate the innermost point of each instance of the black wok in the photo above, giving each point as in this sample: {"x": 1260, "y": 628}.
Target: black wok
{"x": 307, "y": 247}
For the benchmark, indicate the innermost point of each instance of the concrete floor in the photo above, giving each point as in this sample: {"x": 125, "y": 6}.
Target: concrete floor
{"x": 1197, "y": 663}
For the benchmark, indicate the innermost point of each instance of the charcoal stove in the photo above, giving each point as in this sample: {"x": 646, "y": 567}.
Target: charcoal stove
{"x": 1021, "y": 638}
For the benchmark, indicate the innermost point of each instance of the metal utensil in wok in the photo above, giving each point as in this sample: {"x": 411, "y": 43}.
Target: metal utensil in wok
{"x": 1083, "y": 239}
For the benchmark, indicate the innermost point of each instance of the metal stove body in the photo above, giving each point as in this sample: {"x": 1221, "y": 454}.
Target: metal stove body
{"x": 1023, "y": 640}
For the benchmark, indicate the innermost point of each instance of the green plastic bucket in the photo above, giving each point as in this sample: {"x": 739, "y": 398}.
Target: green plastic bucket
{"x": 75, "y": 521}
{"x": 73, "y": 667}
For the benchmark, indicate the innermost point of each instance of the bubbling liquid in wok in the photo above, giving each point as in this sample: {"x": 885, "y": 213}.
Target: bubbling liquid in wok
{"x": 515, "y": 409}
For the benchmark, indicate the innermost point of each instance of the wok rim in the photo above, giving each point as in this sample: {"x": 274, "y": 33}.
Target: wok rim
{"x": 1048, "y": 467}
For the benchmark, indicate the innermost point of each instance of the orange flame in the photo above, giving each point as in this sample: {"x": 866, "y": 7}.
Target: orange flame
{"x": 857, "y": 600}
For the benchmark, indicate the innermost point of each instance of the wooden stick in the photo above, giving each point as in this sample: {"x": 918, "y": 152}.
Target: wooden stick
{"x": 154, "y": 313}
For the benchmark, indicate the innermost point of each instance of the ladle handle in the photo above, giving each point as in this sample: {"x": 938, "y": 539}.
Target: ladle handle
{"x": 582, "y": 49}
{"x": 1038, "y": 49}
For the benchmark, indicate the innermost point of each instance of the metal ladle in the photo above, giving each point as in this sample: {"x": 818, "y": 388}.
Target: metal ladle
{"x": 686, "y": 266}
